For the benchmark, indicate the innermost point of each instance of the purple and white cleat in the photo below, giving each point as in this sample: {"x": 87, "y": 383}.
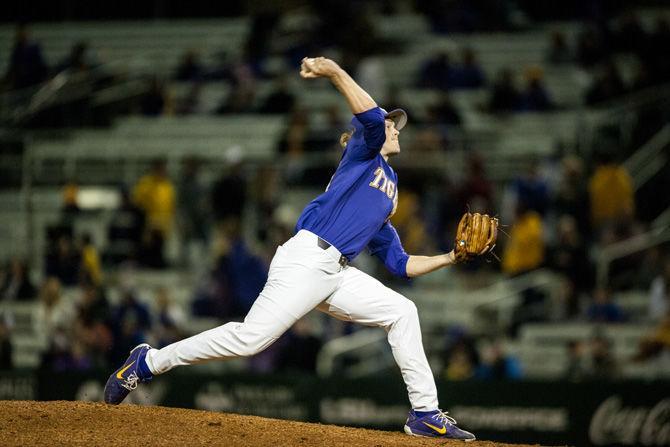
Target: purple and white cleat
{"x": 435, "y": 424}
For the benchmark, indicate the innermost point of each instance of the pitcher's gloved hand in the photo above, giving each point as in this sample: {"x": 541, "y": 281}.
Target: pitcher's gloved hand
{"x": 476, "y": 235}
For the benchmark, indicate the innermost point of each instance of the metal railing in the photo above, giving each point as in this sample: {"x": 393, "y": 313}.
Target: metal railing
{"x": 622, "y": 113}
{"x": 642, "y": 166}
{"x": 628, "y": 247}
{"x": 68, "y": 86}
{"x": 650, "y": 158}
{"x": 361, "y": 345}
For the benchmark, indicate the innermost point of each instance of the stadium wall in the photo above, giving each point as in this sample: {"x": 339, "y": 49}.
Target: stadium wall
{"x": 597, "y": 413}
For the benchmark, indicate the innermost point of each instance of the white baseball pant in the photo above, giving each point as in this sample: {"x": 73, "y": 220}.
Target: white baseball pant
{"x": 302, "y": 277}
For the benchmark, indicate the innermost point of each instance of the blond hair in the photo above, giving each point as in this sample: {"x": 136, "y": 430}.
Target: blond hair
{"x": 345, "y": 137}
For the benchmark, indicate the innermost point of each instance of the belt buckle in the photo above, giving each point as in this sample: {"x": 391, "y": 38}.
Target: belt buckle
{"x": 343, "y": 261}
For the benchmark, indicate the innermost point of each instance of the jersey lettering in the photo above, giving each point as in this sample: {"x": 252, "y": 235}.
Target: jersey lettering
{"x": 387, "y": 186}
{"x": 379, "y": 174}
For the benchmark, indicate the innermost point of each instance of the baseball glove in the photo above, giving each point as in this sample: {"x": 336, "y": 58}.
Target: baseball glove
{"x": 476, "y": 235}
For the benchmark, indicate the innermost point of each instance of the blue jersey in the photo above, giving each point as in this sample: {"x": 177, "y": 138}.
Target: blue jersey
{"x": 354, "y": 211}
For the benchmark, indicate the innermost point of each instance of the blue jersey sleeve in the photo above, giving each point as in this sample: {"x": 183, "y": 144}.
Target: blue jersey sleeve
{"x": 369, "y": 134}
{"x": 386, "y": 246}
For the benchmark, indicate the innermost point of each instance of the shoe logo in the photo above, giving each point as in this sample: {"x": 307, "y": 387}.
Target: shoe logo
{"x": 440, "y": 430}
{"x": 119, "y": 375}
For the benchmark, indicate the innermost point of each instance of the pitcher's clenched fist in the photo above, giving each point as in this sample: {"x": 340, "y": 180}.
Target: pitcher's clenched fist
{"x": 316, "y": 67}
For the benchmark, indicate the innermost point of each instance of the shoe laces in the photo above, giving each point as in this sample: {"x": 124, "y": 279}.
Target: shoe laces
{"x": 130, "y": 382}
{"x": 443, "y": 416}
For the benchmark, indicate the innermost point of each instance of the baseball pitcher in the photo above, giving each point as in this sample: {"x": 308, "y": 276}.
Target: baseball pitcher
{"x": 311, "y": 270}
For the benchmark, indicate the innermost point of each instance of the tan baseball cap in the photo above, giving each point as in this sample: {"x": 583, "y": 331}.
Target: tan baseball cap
{"x": 398, "y": 116}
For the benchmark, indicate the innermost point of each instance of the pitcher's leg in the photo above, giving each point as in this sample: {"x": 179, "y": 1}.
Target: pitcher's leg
{"x": 298, "y": 280}
{"x": 365, "y": 300}
{"x": 234, "y": 339}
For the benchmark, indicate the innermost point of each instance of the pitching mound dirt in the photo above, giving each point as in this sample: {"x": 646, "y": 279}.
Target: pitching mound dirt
{"x": 91, "y": 424}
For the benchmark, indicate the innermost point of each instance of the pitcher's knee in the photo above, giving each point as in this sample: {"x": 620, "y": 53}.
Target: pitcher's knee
{"x": 407, "y": 309}
{"x": 256, "y": 345}
{"x": 248, "y": 343}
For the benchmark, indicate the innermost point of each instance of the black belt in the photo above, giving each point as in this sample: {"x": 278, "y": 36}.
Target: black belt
{"x": 325, "y": 246}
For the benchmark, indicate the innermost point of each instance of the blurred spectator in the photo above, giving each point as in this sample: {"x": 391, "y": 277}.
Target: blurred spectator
{"x": 606, "y": 85}
{"x": 571, "y": 195}
{"x": 80, "y": 358}
{"x": 657, "y": 343}
{"x": 91, "y": 268}
{"x": 531, "y": 189}
{"x": 189, "y": 68}
{"x": 590, "y": 47}
{"x": 476, "y": 191}
{"x": 76, "y": 61}
{"x": 154, "y": 193}
{"x": 294, "y": 140}
{"x": 131, "y": 307}
{"x": 603, "y": 309}
{"x": 461, "y": 355}
{"x": 16, "y": 284}
{"x": 523, "y": 253}
{"x": 436, "y": 72}
{"x": 505, "y": 96}
{"x": 410, "y": 224}
{"x": 26, "y": 64}
{"x": 267, "y": 187}
{"x": 469, "y": 74}
{"x": 66, "y": 354}
{"x": 190, "y": 102}
{"x": 525, "y": 248}
{"x": 577, "y": 367}
{"x": 611, "y": 192}
{"x": 229, "y": 192}
{"x": 559, "y": 52}
{"x": 193, "y": 208}
{"x": 212, "y": 298}
{"x": 241, "y": 270}
{"x": 630, "y": 35}
{"x": 124, "y": 235}
{"x": 444, "y": 112}
{"x": 6, "y": 348}
{"x": 498, "y": 365}
{"x": 93, "y": 306}
{"x": 169, "y": 319}
{"x": 535, "y": 97}
{"x": 56, "y": 358}
{"x": 70, "y": 209}
{"x": 74, "y": 343}
{"x": 53, "y": 312}
{"x": 659, "y": 293}
{"x": 130, "y": 322}
{"x": 570, "y": 257}
{"x": 454, "y": 16}
{"x": 603, "y": 364}
{"x": 301, "y": 348}
{"x": 154, "y": 102}
{"x": 64, "y": 261}
{"x": 242, "y": 93}
{"x": 459, "y": 365}
{"x": 256, "y": 47}
{"x": 280, "y": 99}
